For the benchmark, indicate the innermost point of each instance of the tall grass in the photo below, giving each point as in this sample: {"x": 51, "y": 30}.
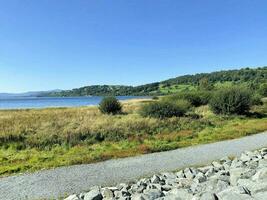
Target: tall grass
{"x": 35, "y": 139}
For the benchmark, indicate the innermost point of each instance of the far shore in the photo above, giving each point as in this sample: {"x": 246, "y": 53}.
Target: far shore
{"x": 125, "y": 102}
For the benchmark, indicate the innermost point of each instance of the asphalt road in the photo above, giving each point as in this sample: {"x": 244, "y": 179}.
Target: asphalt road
{"x": 63, "y": 181}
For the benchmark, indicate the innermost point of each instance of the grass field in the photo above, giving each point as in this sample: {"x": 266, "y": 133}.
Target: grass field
{"x": 37, "y": 139}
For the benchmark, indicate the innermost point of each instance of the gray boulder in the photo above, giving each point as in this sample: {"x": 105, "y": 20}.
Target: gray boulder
{"x": 107, "y": 193}
{"x": 253, "y": 187}
{"x": 207, "y": 196}
{"x": 155, "y": 179}
{"x": 233, "y": 193}
{"x": 260, "y": 196}
{"x": 182, "y": 193}
{"x": 152, "y": 194}
{"x": 260, "y": 175}
{"x": 94, "y": 194}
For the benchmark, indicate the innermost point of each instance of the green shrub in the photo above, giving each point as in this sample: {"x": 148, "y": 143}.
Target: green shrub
{"x": 110, "y": 105}
{"x": 165, "y": 109}
{"x": 263, "y": 90}
{"x": 195, "y": 98}
{"x": 233, "y": 100}
{"x": 256, "y": 99}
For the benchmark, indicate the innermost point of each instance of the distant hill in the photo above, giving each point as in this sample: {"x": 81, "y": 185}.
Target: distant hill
{"x": 252, "y": 77}
{"x": 29, "y": 94}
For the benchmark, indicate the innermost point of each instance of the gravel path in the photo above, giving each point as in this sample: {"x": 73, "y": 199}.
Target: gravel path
{"x": 63, "y": 181}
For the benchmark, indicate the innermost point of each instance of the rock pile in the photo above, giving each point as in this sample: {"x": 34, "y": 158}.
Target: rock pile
{"x": 226, "y": 179}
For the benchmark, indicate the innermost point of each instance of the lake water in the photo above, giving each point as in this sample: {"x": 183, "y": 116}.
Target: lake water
{"x": 44, "y": 102}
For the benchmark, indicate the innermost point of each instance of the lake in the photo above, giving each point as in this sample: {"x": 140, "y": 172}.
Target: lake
{"x": 44, "y": 102}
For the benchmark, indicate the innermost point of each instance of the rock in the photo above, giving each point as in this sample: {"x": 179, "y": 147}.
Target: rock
{"x": 221, "y": 185}
{"x": 153, "y": 193}
{"x": 138, "y": 197}
{"x": 263, "y": 163}
{"x": 142, "y": 182}
{"x": 182, "y": 193}
{"x": 140, "y": 189}
{"x": 238, "y": 173}
{"x": 209, "y": 185}
{"x": 244, "y": 157}
{"x": 210, "y": 172}
{"x": 224, "y": 178}
{"x": 237, "y": 163}
{"x": 170, "y": 197}
{"x": 72, "y": 197}
{"x": 260, "y": 196}
{"x": 81, "y": 196}
{"x": 122, "y": 194}
{"x": 94, "y": 194}
{"x": 263, "y": 151}
{"x": 243, "y": 178}
{"x": 207, "y": 196}
{"x": 232, "y": 193}
{"x": 180, "y": 174}
{"x": 253, "y": 187}
{"x": 252, "y": 164}
{"x": 166, "y": 188}
{"x": 189, "y": 173}
{"x": 205, "y": 169}
{"x": 217, "y": 165}
{"x": 168, "y": 175}
{"x": 184, "y": 182}
{"x": 107, "y": 193}
{"x": 156, "y": 186}
{"x": 112, "y": 188}
{"x": 200, "y": 177}
{"x": 260, "y": 175}
{"x": 155, "y": 179}
{"x": 172, "y": 182}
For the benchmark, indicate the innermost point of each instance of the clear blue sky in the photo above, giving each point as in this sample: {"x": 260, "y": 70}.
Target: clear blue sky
{"x": 49, "y": 44}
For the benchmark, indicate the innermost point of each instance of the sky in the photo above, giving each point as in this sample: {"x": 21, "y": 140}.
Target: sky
{"x": 64, "y": 44}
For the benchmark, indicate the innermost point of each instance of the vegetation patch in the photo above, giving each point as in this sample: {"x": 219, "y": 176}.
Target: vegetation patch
{"x": 46, "y": 138}
{"x": 110, "y": 105}
{"x": 232, "y": 100}
{"x": 165, "y": 109}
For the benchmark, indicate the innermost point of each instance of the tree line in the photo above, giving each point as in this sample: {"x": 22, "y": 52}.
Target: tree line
{"x": 253, "y": 78}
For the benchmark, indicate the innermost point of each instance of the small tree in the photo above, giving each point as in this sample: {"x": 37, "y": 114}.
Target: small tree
{"x": 110, "y": 105}
{"x": 233, "y": 100}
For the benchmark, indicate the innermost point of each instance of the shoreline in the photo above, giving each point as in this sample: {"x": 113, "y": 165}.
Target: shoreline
{"x": 123, "y": 101}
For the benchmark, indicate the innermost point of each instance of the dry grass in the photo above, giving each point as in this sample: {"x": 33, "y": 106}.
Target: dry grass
{"x": 45, "y": 138}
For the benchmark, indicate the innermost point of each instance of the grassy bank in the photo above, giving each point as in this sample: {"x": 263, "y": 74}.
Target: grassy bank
{"x": 39, "y": 139}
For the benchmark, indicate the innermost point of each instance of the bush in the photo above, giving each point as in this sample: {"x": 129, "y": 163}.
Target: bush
{"x": 263, "y": 90}
{"x": 110, "y": 105}
{"x": 256, "y": 100}
{"x": 195, "y": 98}
{"x": 165, "y": 109}
{"x": 233, "y": 100}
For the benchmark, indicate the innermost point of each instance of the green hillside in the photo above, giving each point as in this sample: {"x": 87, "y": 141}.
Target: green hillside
{"x": 251, "y": 77}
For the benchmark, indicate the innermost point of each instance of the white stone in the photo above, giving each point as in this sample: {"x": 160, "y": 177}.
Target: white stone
{"x": 72, "y": 197}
